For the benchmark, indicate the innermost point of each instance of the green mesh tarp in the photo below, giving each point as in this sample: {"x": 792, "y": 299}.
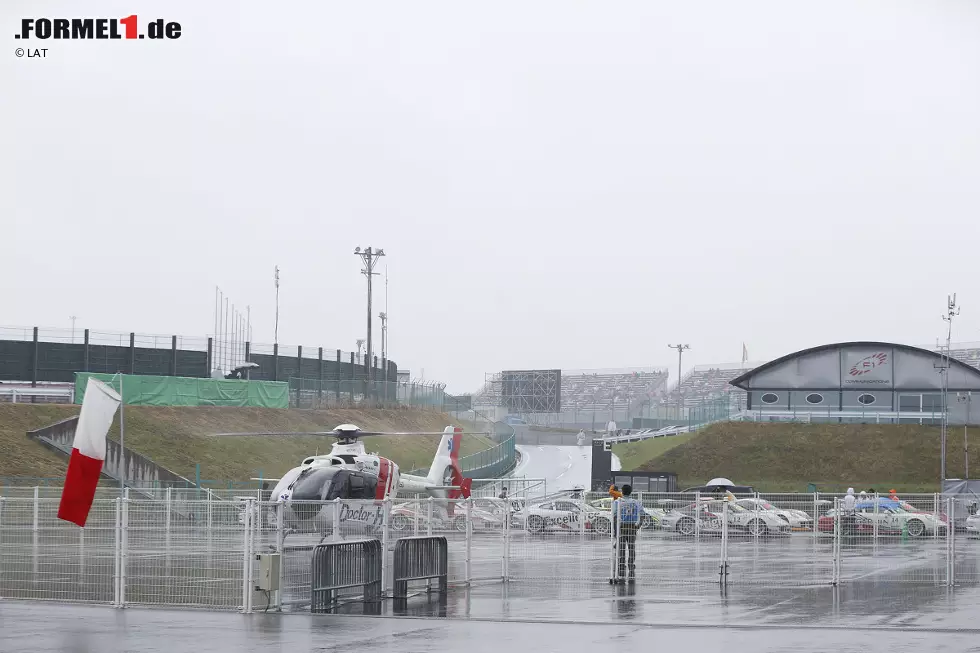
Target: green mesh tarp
{"x": 140, "y": 390}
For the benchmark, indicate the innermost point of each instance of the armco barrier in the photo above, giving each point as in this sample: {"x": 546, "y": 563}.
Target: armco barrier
{"x": 420, "y": 558}
{"x": 345, "y": 565}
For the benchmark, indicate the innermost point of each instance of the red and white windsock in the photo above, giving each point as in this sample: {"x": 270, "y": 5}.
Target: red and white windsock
{"x": 88, "y": 451}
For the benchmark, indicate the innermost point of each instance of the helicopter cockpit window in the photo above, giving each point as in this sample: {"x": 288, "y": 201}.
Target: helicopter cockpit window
{"x": 370, "y": 486}
{"x": 357, "y": 487}
{"x": 337, "y": 486}
{"x": 311, "y": 484}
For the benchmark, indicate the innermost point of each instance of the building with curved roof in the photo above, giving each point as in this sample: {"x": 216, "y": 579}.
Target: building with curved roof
{"x": 860, "y": 382}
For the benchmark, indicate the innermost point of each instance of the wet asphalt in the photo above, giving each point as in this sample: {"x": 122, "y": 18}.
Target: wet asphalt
{"x": 892, "y": 598}
{"x": 527, "y": 617}
{"x": 562, "y": 467}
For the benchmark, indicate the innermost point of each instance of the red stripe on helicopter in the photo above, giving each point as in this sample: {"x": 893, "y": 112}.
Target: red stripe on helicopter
{"x": 383, "y": 478}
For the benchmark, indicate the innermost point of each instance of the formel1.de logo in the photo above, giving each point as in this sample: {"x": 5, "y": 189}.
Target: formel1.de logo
{"x": 78, "y": 29}
{"x": 868, "y": 363}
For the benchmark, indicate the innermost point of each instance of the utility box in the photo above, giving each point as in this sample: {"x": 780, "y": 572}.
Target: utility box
{"x": 268, "y": 579}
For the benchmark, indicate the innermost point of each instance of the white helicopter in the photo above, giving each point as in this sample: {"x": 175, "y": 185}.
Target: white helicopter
{"x": 356, "y": 477}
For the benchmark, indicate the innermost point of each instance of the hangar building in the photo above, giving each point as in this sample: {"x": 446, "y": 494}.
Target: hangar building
{"x": 862, "y": 382}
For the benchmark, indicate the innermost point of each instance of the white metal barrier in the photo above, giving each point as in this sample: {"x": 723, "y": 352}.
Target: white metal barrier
{"x": 138, "y": 551}
{"x": 17, "y": 394}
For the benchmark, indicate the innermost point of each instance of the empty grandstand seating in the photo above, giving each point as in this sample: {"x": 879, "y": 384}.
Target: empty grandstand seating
{"x": 588, "y": 390}
{"x": 595, "y": 390}
{"x": 707, "y": 383}
{"x": 968, "y": 355}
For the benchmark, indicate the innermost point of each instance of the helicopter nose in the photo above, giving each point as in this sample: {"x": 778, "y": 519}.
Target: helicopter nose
{"x": 312, "y": 485}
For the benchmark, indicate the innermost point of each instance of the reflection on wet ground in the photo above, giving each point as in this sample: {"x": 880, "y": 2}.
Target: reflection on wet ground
{"x": 530, "y": 616}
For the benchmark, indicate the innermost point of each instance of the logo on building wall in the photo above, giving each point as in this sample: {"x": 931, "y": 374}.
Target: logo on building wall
{"x": 868, "y": 364}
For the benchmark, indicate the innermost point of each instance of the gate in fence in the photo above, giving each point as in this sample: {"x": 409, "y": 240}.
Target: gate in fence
{"x": 210, "y": 552}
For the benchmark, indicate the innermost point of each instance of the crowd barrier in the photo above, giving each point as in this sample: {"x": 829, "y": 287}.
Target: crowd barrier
{"x": 345, "y": 565}
{"x": 208, "y": 552}
{"x": 420, "y": 558}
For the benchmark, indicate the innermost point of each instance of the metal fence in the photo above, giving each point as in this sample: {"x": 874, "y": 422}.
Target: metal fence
{"x": 362, "y": 392}
{"x": 158, "y": 341}
{"x": 493, "y": 462}
{"x": 177, "y": 550}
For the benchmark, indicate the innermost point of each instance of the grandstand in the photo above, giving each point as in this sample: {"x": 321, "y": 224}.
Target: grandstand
{"x": 590, "y": 396}
{"x": 965, "y": 352}
{"x": 610, "y": 390}
{"x": 710, "y": 383}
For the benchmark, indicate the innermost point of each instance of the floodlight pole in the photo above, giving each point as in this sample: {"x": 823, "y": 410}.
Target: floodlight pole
{"x": 384, "y": 360}
{"x": 276, "y": 337}
{"x": 968, "y": 398}
{"x": 122, "y": 439}
{"x": 680, "y": 353}
{"x": 951, "y": 311}
{"x": 384, "y": 329}
{"x": 966, "y": 448}
{"x": 370, "y": 259}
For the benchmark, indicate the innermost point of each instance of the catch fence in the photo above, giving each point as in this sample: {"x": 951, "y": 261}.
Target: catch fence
{"x": 174, "y": 549}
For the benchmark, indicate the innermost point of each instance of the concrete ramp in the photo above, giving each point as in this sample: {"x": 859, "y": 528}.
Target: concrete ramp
{"x": 144, "y": 477}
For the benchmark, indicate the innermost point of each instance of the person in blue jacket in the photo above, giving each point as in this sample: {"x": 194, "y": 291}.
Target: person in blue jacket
{"x": 626, "y": 518}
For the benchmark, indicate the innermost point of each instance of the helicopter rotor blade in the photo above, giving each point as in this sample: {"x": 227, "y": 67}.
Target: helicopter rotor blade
{"x": 341, "y": 434}
{"x": 382, "y": 433}
{"x": 273, "y": 433}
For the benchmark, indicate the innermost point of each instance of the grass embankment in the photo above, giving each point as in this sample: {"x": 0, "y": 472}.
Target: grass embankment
{"x": 634, "y": 454}
{"x": 177, "y": 438}
{"x": 786, "y": 457}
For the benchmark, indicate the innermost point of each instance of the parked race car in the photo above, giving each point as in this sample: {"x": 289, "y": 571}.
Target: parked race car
{"x": 709, "y": 512}
{"x": 798, "y": 520}
{"x": 892, "y": 519}
{"x": 403, "y": 518}
{"x": 564, "y": 515}
{"x": 973, "y": 525}
{"x": 651, "y": 517}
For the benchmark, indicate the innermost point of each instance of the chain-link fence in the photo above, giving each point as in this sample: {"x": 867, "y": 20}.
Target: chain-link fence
{"x": 367, "y": 393}
{"x": 177, "y": 549}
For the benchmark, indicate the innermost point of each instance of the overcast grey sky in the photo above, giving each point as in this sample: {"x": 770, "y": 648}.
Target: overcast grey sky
{"x": 555, "y": 184}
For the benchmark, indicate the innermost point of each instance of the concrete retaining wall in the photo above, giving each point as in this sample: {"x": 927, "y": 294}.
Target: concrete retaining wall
{"x": 140, "y": 470}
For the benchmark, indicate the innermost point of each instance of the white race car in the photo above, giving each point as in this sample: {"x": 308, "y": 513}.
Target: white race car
{"x": 973, "y": 525}
{"x": 651, "y": 516}
{"x": 403, "y": 517}
{"x": 798, "y": 520}
{"x": 564, "y": 515}
{"x": 709, "y": 514}
{"x": 891, "y": 517}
